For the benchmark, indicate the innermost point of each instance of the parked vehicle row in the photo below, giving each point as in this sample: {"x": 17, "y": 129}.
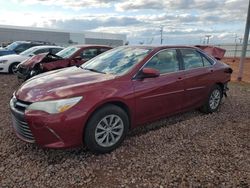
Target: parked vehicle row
{"x": 20, "y": 46}
{"x": 97, "y": 103}
{"x": 42, "y": 58}
{"x": 72, "y": 56}
{"x": 8, "y": 63}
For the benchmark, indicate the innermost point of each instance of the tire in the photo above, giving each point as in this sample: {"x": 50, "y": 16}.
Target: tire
{"x": 12, "y": 67}
{"x": 213, "y": 101}
{"x": 99, "y": 135}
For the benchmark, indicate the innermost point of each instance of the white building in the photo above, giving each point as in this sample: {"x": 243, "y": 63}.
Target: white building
{"x": 59, "y": 37}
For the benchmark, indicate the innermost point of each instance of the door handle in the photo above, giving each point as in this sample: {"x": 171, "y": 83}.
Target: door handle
{"x": 179, "y": 78}
{"x": 211, "y": 70}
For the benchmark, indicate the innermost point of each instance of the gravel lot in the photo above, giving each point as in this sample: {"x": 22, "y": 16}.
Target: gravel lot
{"x": 187, "y": 150}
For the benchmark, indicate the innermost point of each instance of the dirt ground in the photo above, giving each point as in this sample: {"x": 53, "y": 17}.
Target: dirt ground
{"x": 234, "y": 64}
{"x": 187, "y": 150}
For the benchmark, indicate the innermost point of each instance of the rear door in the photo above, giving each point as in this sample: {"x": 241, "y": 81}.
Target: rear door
{"x": 197, "y": 77}
{"x": 157, "y": 97}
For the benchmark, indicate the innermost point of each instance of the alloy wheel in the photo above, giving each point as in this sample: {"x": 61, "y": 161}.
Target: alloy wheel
{"x": 214, "y": 99}
{"x": 109, "y": 130}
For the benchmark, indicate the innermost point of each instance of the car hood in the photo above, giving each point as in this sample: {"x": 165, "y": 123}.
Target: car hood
{"x": 13, "y": 57}
{"x": 63, "y": 83}
{"x": 31, "y": 62}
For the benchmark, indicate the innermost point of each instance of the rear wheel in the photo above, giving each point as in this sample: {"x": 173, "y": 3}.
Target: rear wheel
{"x": 106, "y": 129}
{"x": 214, "y": 99}
{"x": 13, "y": 67}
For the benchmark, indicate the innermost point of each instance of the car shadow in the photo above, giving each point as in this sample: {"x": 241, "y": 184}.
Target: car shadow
{"x": 59, "y": 156}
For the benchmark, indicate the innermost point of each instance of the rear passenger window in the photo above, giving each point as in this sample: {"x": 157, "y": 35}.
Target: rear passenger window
{"x": 165, "y": 62}
{"x": 191, "y": 59}
{"x": 206, "y": 62}
{"x": 55, "y": 50}
{"x": 89, "y": 53}
{"x": 44, "y": 50}
{"x": 101, "y": 50}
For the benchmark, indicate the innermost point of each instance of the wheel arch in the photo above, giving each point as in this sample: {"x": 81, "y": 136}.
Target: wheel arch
{"x": 221, "y": 86}
{"x": 118, "y": 103}
{"x": 11, "y": 64}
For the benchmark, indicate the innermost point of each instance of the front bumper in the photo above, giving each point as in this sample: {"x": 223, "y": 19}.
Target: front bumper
{"x": 63, "y": 130}
{"x": 22, "y": 73}
{"x": 4, "y": 68}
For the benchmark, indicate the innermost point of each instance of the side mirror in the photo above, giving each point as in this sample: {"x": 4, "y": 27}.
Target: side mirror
{"x": 149, "y": 73}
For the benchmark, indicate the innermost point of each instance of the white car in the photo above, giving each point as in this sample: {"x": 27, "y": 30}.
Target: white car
{"x": 8, "y": 63}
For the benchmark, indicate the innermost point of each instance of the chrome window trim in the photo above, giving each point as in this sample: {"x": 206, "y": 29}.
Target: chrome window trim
{"x": 184, "y": 70}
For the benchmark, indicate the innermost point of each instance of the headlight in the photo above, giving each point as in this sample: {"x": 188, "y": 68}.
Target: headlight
{"x": 55, "y": 106}
{"x": 3, "y": 61}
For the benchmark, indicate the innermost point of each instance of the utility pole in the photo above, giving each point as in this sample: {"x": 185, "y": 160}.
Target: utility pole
{"x": 208, "y": 36}
{"x": 235, "y": 41}
{"x": 161, "y": 30}
{"x": 245, "y": 43}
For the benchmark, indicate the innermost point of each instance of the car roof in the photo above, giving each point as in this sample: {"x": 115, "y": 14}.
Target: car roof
{"x": 32, "y": 42}
{"x": 46, "y": 46}
{"x": 154, "y": 47}
{"x": 89, "y": 45}
{"x": 21, "y": 42}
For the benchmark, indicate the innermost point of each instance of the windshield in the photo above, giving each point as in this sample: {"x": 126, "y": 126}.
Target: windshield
{"x": 67, "y": 52}
{"x": 117, "y": 61}
{"x": 28, "y": 52}
{"x": 12, "y": 46}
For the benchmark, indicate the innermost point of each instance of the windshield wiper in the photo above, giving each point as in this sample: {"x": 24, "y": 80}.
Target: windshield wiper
{"x": 93, "y": 70}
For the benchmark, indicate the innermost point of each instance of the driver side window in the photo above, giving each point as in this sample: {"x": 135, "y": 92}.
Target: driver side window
{"x": 165, "y": 62}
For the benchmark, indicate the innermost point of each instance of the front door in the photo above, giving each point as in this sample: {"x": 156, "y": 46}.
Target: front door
{"x": 163, "y": 95}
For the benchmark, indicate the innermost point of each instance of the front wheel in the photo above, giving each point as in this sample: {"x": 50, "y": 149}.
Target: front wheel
{"x": 13, "y": 68}
{"x": 214, "y": 99}
{"x": 106, "y": 129}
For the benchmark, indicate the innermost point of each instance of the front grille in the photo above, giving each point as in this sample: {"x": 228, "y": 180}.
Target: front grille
{"x": 20, "y": 105}
{"x": 22, "y": 128}
{"x": 19, "y": 124}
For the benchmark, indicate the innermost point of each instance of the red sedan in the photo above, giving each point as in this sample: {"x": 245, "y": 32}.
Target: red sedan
{"x": 74, "y": 55}
{"x": 97, "y": 103}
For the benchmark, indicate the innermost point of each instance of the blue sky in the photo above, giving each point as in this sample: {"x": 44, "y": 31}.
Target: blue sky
{"x": 183, "y": 21}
